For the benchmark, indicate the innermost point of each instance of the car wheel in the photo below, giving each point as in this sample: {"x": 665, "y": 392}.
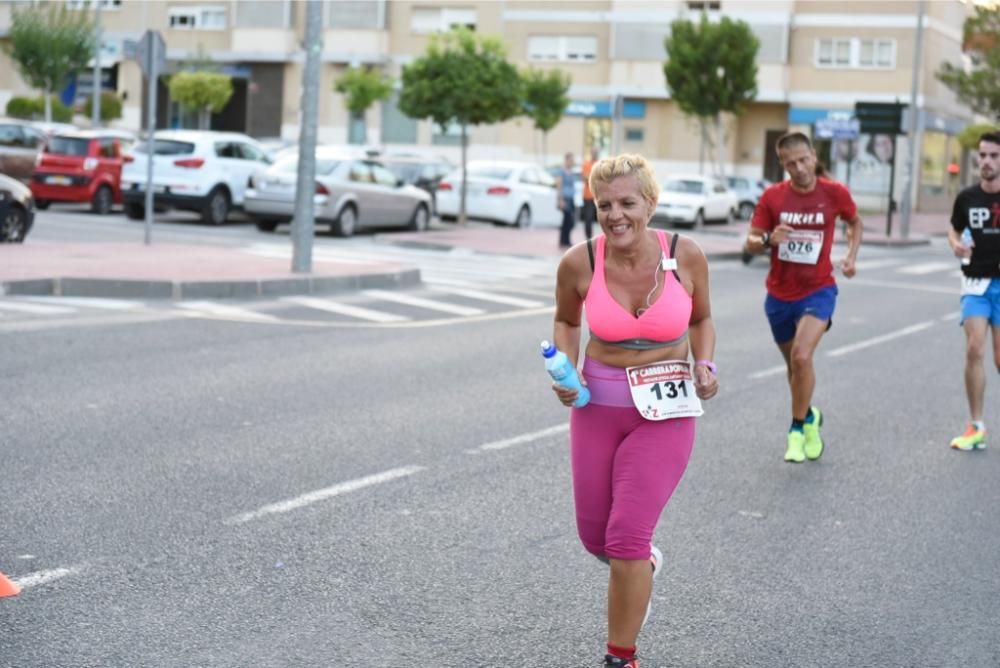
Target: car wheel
{"x": 266, "y": 225}
{"x": 523, "y": 217}
{"x": 421, "y": 219}
{"x": 42, "y": 204}
{"x": 14, "y": 225}
{"x": 746, "y": 210}
{"x": 135, "y": 211}
{"x": 346, "y": 221}
{"x": 216, "y": 210}
{"x": 103, "y": 200}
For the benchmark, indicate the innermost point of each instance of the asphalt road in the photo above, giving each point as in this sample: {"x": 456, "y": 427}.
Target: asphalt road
{"x": 219, "y": 491}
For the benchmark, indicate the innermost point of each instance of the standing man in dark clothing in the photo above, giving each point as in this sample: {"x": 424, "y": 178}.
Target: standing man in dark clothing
{"x": 589, "y": 211}
{"x": 566, "y": 189}
{"x": 975, "y": 238}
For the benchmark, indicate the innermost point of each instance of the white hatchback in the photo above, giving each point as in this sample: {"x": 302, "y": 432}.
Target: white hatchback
{"x": 194, "y": 170}
{"x": 693, "y": 200}
{"x": 507, "y": 192}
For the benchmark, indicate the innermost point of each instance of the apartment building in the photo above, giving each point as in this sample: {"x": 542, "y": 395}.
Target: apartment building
{"x": 816, "y": 60}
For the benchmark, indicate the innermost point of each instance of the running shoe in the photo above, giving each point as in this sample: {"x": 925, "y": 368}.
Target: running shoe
{"x": 796, "y": 447}
{"x": 814, "y": 442}
{"x": 656, "y": 559}
{"x": 972, "y": 439}
{"x": 618, "y": 662}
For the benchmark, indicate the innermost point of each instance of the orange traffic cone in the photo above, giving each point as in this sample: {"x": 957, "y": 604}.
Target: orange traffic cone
{"x": 8, "y": 587}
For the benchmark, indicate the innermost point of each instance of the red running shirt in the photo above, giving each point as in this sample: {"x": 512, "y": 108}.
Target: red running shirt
{"x": 813, "y": 213}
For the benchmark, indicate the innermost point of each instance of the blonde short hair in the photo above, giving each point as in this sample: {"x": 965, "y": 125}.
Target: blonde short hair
{"x": 607, "y": 170}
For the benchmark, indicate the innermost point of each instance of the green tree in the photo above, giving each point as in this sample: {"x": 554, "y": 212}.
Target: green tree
{"x": 33, "y": 109}
{"x": 462, "y": 78}
{"x": 545, "y": 99}
{"x": 980, "y": 87}
{"x": 48, "y": 44}
{"x": 362, "y": 87}
{"x": 711, "y": 69}
{"x": 204, "y": 92}
{"x": 111, "y": 106}
{"x": 968, "y": 138}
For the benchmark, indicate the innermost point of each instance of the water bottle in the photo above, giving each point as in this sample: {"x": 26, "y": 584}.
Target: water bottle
{"x": 967, "y": 243}
{"x": 564, "y": 373}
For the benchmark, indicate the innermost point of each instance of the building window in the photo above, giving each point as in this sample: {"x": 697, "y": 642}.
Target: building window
{"x": 634, "y": 134}
{"x": 425, "y": 20}
{"x": 704, "y": 6}
{"x": 198, "y": 18}
{"x": 563, "y": 48}
{"x": 90, "y": 4}
{"x": 856, "y": 53}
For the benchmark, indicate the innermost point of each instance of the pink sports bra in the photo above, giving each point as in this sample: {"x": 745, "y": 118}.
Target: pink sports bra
{"x": 663, "y": 324}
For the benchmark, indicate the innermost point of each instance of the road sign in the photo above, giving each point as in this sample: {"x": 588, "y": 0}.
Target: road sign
{"x": 880, "y": 117}
{"x": 151, "y": 52}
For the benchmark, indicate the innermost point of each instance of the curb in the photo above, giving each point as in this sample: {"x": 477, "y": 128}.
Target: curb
{"x": 181, "y": 290}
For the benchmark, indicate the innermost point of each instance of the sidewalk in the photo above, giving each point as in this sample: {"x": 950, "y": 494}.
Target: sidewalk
{"x": 175, "y": 271}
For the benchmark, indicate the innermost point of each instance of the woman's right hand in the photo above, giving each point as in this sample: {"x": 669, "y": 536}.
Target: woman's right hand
{"x": 567, "y": 395}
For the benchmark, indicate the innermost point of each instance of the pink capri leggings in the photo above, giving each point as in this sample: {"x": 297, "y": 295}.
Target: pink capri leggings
{"x": 624, "y": 467}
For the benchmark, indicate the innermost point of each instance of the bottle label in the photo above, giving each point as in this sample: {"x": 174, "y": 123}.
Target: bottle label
{"x": 664, "y": 390}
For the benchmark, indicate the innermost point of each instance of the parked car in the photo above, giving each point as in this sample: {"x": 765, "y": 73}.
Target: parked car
{"x": 17, "y": 210}
{"x": 193, "y": 170}
{"x": 424, "y": 172}
{"x": 20, "y": 142}
{"x": 84, "y": 166}
{"x": 505, "y": 192}
{"x": 748, "y": 191}
{"x": 352, "y": 192}
{"x": 693, "y": 200}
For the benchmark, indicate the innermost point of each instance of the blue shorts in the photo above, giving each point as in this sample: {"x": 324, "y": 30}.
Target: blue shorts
{"x": 784, "y": 316}
{"x": 986, "y": 305}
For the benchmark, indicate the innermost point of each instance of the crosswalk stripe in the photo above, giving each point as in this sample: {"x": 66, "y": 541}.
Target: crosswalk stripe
{"x": 345, "y": 309}
{"x": 438, "y": 280}
{"x": 926, "y": 268}
{"x": 493, "y": 297}
{"x": 88, "y": 302}
{"x": 225, "y": 311}
{"x": 423, "y": 303}
{"x": 37, "y": 309}
{"x": 882, "y": 263}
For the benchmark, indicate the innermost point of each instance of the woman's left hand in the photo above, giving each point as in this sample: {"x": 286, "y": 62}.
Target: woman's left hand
{"x": 706, "y": 385}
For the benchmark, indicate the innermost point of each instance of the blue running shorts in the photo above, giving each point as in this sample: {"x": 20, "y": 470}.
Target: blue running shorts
{"x": 784, "y": 316}
{"x": 986, "y": 305}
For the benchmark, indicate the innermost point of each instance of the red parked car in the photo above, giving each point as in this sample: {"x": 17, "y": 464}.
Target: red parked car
{"x": 83, "y": 166}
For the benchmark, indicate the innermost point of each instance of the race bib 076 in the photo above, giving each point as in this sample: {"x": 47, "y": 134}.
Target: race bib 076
{"x": 801, "y": 247}
{"x": 664, "y": 390}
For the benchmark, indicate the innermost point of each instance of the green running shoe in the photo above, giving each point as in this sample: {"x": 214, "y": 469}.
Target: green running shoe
{"x": 796, "y": 447}
{"x": 972, "y": 439}
{"x": 814, "y": 442}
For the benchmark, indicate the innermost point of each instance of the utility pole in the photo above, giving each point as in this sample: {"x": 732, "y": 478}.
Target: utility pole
{"x": 95, "y": 111}
{"x": 911, "y": 126}
{"x": 303, "y": 225}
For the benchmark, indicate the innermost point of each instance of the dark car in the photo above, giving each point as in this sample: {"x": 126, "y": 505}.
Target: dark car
{"x": 421, "y": 171}
{"x": 80, "y": 167}
{"x": 19, "y": 145}
{"x": 17, "y": 210}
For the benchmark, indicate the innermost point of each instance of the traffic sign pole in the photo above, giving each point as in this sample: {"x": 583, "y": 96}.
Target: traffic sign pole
{"x": 151, "y": 82}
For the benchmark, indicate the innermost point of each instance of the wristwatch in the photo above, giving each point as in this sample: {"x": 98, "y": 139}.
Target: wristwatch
{"x": 766, "y": 239}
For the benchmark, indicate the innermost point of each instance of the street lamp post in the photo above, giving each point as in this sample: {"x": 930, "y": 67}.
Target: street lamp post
{"x": 95, "y": 111}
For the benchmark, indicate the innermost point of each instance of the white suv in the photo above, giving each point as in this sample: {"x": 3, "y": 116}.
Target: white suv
{"x": 194, "y": 170}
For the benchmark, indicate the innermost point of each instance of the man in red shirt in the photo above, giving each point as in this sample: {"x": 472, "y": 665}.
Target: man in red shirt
{"x": 795, "y": 220}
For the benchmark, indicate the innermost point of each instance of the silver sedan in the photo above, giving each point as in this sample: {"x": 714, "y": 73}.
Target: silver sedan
{"x": 351, "y": 193}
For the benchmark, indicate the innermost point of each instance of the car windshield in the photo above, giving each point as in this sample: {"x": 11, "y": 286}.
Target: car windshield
{"x": 166, "y": 147}
{"x": 684, "y": 186}
{"x": 68, "y": 146}
{"x": 407, "y": 171}
{"x": 490, "y": 172}
{"x": 290, "y": 165}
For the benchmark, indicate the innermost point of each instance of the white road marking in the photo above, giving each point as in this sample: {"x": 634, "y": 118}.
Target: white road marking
{"x": 877, "y": 264}
{"x": 36, "y": 309}
{"x": 523, "y": 438}
{"x": 345, "y": 309}
{"x": 224, "y": 311}
{"x": 948, "y": 317}
{"x": 903, "y": 286}
{"x": 494, "y": 297}
{"x": 422, "y": 303}
{"x": 436, "y": 280}
{"x": 867, "y": 343}
{"x": 926, "y": 268}
{"x": 770, "y": 371}
{"x": 323, "y": 494}
{"x": 43, "y": 577}
{"x": 89, "y": 302}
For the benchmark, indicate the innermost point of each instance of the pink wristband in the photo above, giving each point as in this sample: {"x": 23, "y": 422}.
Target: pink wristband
{"x": 710, "y": 365}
